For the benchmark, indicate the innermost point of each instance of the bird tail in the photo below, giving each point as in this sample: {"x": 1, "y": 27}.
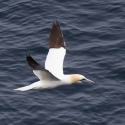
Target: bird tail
{"x": 25, "y": 88}
{"x": 32, "y": 86}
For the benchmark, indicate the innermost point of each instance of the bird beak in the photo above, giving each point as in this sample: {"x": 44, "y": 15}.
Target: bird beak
{"x": 88, "y": 80}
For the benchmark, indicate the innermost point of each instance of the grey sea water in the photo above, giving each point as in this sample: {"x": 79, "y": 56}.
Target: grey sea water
{"x": 94, "y": 32}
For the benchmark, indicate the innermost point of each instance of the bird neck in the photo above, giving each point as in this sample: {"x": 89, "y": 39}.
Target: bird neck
{"x": 69, "y": 79}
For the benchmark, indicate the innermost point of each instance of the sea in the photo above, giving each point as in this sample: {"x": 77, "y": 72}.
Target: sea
{"x": 94, "y": 33}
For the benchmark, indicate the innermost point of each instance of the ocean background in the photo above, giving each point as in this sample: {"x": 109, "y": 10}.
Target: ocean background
{"x": 94, "y": 32}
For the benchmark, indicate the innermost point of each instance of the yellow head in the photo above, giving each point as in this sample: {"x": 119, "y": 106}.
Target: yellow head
{"x": 79, "y": 78}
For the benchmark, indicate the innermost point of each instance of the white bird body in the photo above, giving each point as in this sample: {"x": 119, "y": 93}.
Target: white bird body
{"x": 43, "y": 84}
{"x": 52, "y": 75}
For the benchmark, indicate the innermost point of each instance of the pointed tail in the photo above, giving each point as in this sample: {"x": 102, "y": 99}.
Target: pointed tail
{"x": 35, "y": 85}
{"x": 25, "y": 88}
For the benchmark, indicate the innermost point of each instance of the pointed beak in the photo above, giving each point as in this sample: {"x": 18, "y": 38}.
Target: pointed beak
{"x": 88, "y": 80}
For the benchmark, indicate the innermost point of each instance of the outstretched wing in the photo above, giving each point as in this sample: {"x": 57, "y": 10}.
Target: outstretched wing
{"x": 57, "y": 51}
{"x": 39, "y": 70}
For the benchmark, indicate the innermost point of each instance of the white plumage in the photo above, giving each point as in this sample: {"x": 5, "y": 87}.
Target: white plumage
{"x": 54, "y": 61}
{"x": 52, "y": 75}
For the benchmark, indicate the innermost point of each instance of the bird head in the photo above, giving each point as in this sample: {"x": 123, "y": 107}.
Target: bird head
{"x": 79, "y": 78}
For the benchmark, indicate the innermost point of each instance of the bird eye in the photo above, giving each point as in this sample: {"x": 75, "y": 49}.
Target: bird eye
{"x": 82, "y": 79}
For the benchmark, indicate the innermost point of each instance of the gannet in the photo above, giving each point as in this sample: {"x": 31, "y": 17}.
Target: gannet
{"x": 52, "y": 75}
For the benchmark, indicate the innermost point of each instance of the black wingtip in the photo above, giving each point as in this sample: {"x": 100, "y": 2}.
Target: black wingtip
{"x": 55, "y": 23}
{"x": 27, "y": 56}
{"x": 56, "y": 39}
{"x": 32, "y": 63}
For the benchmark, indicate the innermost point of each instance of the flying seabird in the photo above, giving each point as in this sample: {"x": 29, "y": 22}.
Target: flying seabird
{"x": 52, "y": 75}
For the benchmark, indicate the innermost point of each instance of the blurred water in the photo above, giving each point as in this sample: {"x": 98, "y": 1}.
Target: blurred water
{"x": 94, "y": 34}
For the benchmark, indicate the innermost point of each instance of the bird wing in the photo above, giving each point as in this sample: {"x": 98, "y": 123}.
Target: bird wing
{"x": 57, "y": 51}
{"x": 39, "y": 70}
